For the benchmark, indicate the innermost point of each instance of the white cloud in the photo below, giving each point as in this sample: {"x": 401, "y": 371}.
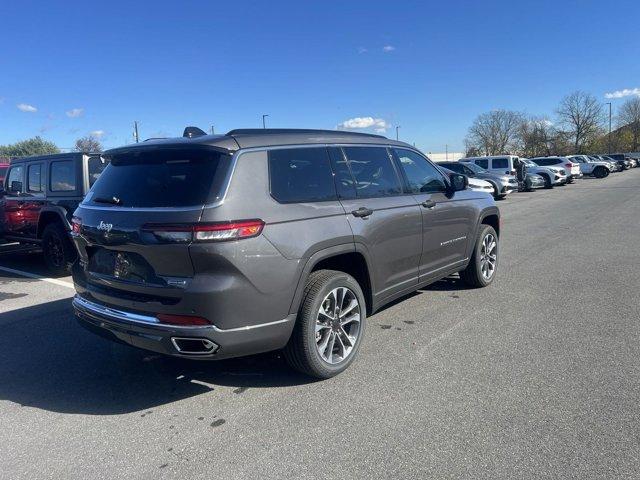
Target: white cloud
{"x": 97, "y": 133}
{"x": 362, "y": 50}
{"x": 365, "y": 122}
{"x": 75, "y": 112}
{"x": 388, "y": 48}
{"x": 24, "y": 107}
{"x": 626, "y": 92}
{"x": 381, "y": 130}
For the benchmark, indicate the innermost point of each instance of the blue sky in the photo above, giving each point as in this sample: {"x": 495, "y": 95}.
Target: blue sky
{"x": 96, "y": 67}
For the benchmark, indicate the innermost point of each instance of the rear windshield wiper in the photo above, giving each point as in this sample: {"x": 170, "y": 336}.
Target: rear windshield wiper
{"x": 111, "y": 200}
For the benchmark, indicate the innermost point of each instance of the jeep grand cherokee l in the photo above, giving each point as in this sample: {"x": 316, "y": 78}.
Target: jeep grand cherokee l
{"x": 216, "y": 246}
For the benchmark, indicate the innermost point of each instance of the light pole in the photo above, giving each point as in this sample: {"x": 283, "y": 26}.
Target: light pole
{"x": 264, "y": 125}
{"x": 397, "y": 135}
{"x": 446, "y": 152}
{"x": 212, "y": 131}
{"x": 609, "y": 103}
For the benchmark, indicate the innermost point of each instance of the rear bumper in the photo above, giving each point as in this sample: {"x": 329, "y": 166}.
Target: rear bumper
{"x": 146, "y": 332}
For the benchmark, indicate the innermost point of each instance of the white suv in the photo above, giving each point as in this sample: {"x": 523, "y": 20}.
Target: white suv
{"x": 590, "y": 167}
{"x": 552, "y": 176}
{"x": 573, "y": 169}
{"x": 499, "y": 164}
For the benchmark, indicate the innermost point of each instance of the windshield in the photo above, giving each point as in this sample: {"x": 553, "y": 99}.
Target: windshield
{"x": 169, "y": 178}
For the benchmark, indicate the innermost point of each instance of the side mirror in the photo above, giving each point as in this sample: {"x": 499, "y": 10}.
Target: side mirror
{"x": 16, "y": 187}
{"x": 458, "y": 182}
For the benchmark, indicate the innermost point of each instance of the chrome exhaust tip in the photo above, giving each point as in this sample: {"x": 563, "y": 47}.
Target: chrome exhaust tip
{"x": 194, "y": 346}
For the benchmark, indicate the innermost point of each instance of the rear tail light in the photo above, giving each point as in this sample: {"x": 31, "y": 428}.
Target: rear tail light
{"x": 76, "y": 225}
{"x": 206, "y": 232}
{"x": 568, "y": 165}
{"x": 183, "y": 320}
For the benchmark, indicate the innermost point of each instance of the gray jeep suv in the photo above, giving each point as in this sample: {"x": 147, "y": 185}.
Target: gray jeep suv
{"x": 217, "y": 246}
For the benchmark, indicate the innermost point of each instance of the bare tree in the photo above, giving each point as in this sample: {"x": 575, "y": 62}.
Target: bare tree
{"x": 629, "y": 121}
{"x": 88, "y": 144}
{"x": 537, "y": 137}
{"x": 581, "y": 115}
{"x": 494, "y": 132}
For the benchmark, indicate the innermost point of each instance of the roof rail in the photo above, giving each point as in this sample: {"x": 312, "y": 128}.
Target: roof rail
{"x": 276, "y": 131}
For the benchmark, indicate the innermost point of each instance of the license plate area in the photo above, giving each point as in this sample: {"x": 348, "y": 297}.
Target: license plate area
{"x": 127, "y": 266}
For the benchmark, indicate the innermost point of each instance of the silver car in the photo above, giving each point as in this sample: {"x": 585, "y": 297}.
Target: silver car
{"x": 503, "y": 185}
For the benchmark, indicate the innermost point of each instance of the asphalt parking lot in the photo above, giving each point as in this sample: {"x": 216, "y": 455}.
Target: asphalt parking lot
{"x": 535, "y": 376}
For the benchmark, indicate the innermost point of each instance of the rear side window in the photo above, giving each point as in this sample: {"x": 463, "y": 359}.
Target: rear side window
{"x": 301, "y": 175}
{"x": 484, "y": 163}
{"x": 161, "y": 178}
{"x": 34, "y": 178}
{"x": 373, "y": 172}
{"x": 500, "y": 163}
{"x": 95, "y": 165}
{"x": 63, "y": 176}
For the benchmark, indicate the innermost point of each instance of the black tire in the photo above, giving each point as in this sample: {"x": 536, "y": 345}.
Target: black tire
{"x": 600, "y": 172}
{"x": 495, "y": 191}
{"x": 472, "y": 275}
{"x": 547, "y": 181}
{"x": 302, "y": 352}
{"x": 57, "y": 249}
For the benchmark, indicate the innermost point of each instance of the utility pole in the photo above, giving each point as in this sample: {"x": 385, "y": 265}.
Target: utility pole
{"x": 212, "y": 131}
{"x": 264, "y": 125}
{"x": 397, "y": 134}
{"x": 446, "y": 152}
{"x": 135, "y": 131}
{"x": 609, "y": 103}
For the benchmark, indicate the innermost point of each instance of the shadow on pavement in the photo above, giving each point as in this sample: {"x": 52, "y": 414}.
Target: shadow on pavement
{"x": 50, "y": 362}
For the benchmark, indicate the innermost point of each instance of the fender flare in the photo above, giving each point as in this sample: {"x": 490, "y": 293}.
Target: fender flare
{"x": 320, "y": 255}
{"x": 59, "y": 212}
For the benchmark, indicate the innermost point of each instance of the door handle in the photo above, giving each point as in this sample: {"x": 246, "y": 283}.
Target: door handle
{"x": 429, "y": 204}
{"x": 362, "y": 212}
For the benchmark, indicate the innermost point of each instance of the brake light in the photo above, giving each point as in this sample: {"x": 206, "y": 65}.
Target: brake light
{"x": 76, "y": 225}
{"x": 184, "y": 320}
{"x": 568, "y": 165}
{"x": 206, "y": 232}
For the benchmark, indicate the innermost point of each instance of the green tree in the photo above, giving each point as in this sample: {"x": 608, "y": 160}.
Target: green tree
{"x": 28, "y": 148}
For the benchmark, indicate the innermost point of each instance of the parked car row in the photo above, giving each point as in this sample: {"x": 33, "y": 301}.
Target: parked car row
{"x": 217, "y": 246}
{"x": 504, "y": 174}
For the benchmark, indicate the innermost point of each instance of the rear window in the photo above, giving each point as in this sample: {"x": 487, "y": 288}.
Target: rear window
{"x": 301, "y": 175}
{"x": 96, "y": 165}
{"x": 169, "y": 178}
{"x": 483, "y": 163}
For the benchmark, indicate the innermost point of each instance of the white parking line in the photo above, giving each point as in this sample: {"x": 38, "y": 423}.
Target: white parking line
{"x": 55, "y": 281}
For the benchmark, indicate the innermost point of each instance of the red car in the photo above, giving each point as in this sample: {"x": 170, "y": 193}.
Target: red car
{"x": 39, "y": 197}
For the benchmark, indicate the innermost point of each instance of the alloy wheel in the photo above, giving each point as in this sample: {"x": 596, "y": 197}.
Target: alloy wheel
{"x": 488, "y": 256}
{"x": 337, "y": 325}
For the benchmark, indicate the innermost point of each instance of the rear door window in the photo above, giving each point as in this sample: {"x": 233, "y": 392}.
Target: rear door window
{"x": 62, "y": 176}
{"x": 373, "y": 172}
{"x": 301, "y": 175}
{"x": 34, "y": 178}
{"x": 161, "y": 178}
